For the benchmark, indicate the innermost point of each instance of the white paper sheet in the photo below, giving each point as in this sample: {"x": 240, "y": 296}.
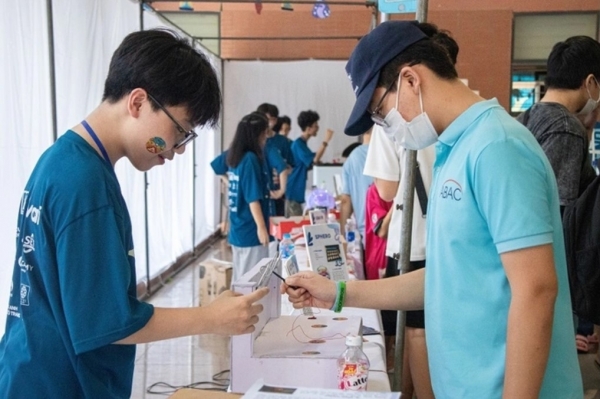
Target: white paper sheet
{"x": 261, "y": 391}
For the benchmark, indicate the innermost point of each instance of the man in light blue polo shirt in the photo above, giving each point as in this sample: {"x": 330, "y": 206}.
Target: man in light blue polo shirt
{"x": 495, "y": 289}
{"x": 496, "y": 204}
{"x": 355, "y": 185}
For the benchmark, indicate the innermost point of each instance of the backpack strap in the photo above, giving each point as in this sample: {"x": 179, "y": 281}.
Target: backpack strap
{"x": 526, "y": 115}
{"x": 421, "y": 193}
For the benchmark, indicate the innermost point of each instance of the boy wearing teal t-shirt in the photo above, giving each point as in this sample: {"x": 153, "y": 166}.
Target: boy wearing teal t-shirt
{"x": 73, "y": 316}
{"x": 304, "y": 159}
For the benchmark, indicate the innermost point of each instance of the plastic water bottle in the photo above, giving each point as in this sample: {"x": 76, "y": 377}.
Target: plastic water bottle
{"x": 353, "y": 366}
{"x": 286, "y": 247}
{"x": 350, "y": 236}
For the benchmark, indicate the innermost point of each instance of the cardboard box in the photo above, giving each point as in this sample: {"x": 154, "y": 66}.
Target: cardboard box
{"x": 293, "y": 225}
{"x": 287, "y": 350}
{"x": 215, "y": 277}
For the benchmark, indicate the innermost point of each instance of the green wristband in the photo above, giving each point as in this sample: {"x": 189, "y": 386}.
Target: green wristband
{"x": 337, "y": 296}
{"x": 340, "y": 297}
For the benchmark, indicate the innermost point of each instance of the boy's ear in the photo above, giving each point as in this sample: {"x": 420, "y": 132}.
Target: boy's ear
{"x": 135, "y": 100}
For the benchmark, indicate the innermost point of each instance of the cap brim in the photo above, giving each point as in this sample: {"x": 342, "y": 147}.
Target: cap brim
{"x": 360, "y": 120}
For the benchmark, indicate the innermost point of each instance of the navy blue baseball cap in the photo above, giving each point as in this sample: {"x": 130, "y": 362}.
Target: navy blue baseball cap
{"x": 371, "y": 54}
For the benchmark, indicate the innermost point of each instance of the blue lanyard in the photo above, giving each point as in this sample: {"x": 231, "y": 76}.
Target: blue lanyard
{"x": 97, "y": 141}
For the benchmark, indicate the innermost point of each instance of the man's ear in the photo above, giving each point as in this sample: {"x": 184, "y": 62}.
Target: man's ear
{"x": 411, "y": 77}
{"x": 135, "y": 100}
{"x": 589, "y": 81}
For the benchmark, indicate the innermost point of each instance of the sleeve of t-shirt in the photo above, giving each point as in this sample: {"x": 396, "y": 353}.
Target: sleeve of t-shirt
{"x": 288, "y": 153}
{"x": 303, "y": 154}
{"x": 219, "y": 164}
{"x": 565, "y": 151}
{"x": 250, "y": 179}
{"x": 274, "y": 159}
{"x": 514, "y": 192}
{"x": 95, "y": 277}
{"x": 382, "y": 160}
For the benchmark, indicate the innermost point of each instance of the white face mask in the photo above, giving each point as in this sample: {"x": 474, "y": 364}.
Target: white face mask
{"x": 591, "y": 104}
{"x": 414, "y": 135}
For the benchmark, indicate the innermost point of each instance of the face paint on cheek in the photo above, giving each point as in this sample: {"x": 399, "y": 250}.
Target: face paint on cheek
{"x": 156, "y": 145}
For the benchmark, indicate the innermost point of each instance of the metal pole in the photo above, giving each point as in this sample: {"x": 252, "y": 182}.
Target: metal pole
{"x": 384, "y": 17}
{"x": 52, "y": 71}
{"x": 408, "y": 177}
{"x": 194, "y": 178}
{"x": 422, "y": 9}
{"x": 141, "y": 15}
{"x": 146, "y": 184}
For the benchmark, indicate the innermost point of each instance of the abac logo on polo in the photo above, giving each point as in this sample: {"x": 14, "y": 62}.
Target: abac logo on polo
{"x": 451, "y": 190}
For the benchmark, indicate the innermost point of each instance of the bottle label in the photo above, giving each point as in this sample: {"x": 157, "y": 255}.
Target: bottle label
{"x": 353, "y": 377}
{"x": 350, "y": 236}
{"x": 287, "y": 250}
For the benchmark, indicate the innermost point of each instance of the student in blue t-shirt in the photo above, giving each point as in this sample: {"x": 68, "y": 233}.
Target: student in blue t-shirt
{"x": 275, "y": 168}
{"x": 277, "y": 159}
{"x": 73, "y": 315}
{"x": 282, "y": 129}
{"x": 248, "y": 194}
{"x": 304, "y": 158}
{"x": 219, "y": 164}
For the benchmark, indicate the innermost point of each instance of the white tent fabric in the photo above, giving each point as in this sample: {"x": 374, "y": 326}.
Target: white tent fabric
{"x": 171, "y": 191}
{"x": 25, "y": 112}
{"x": 86, "y": 33}
{"x": 295, "y": 86}
{"x": 92, "y": 30}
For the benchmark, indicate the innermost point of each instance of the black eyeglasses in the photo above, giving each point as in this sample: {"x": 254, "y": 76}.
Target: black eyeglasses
{"x": 376, "y": 117}
{"x": 188, "y": 135}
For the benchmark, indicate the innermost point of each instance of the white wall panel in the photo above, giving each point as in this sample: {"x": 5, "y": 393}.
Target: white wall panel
{"x": 295, "y": 86}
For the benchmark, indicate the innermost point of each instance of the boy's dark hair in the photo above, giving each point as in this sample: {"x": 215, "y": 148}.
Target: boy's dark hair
{"x": 571, "y": 61}
{"x": 348, "y": 150}
{"x": 280, "y": 121}
{"x": 307, "y": 118}
{"x": 170, "y": 70}
{"x": 247, "y": 138}
{"x": 443, "y": 38}
{"x": 438, "y": 53}
{"x": 270, "y": 109}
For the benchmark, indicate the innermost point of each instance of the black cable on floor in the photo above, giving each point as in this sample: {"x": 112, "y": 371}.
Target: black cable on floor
{"x": 218, "y": 383}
